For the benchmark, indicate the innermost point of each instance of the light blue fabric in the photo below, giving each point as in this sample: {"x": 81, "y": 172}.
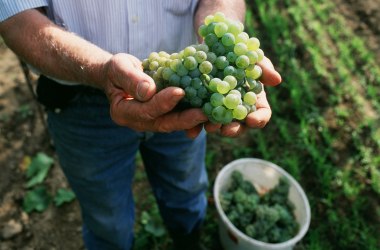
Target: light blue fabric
{"x": 9, "y": 8}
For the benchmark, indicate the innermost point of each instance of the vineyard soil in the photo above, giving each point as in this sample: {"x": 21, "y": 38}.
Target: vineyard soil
{"x": 23, "y": 134}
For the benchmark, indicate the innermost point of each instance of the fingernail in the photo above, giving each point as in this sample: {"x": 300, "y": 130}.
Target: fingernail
{"x": 142, "y": 89}
{"x": 178, "y": 94}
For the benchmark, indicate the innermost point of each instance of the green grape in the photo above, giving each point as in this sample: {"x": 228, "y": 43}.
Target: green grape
{"x": 162, "y": 61}
{"x": 242, "y": 37}
{"x": 240, "y": 112}
{"x": 185, "y": 81}
{"x": 203, "y": 47}
{"x": 234, "y": 28}
{"x": 253, "y": 56}
{"x": 229, "y": 71}
{"x": 194, "y": 73}
{"x": 221, "y": 62}
{"x": 223, "y": 87}
{"x": 231, "y": 81}
{"x": 174, "y": 64}
{"x": 166, "y": 73}
{"x": 211, "y": 28}
{"x": 253, "y": 43}
{"x": 175, "y": 80}
{"x": 242, "y": 62}
{"x": 228, "y": 39}
{"x": 207, "y": 108}
{"x": 205, "y": 67}
{"x": 200, "y": 56}
{"x": 189, "y": 51}
{"x": 159, "y": 71}
{"x": 218, "y": 49}
{"x": 156, "y": 76}
{"x": 154, "y": 65}
{"x": 240, "y": 49}
{"x": 196, "y": 83}
{"x": 213, "y": 83}
{"x": 257, "y": 88}
{"x": 202, "y": 92}
{"x": 190, "y": 92}
{"x": 190, "y": 63}
{"x": 153, "y": 56}
{"x": 231, "y": 56}
{"x": 228, "y": 117}
{"x": 235, "y": 92}
{"x": 182, "y": 70}
{"x": 231, "y": 101}
{"x": 240, "y": 74}
{"x": 255, "y": 73}
{"x": 181, "y": 54}
{"x": 251, "y": 83}
{"x": 219, "y": 17}
{"x": 196, "y": 102}
{"x": 211, "y": 57}
{"x": 250, "y": 98}
{"x": 218, "y": 113}
{"x": 205, "y": 78}
{"x": 164, "y": 54}
{"x": 174, "y": 56}
{"x": 202, "y": 30}
{"x": 220, "y": 29}
{"x": 211, "y": 39}
{"x": 209, "y": 19}
{"x": 216, "y": 99}
{"x": 260, "y": 53}
{"x": 145, "y": 63}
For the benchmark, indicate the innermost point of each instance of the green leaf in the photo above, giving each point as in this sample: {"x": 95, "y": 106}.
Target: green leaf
{"x": 38, "y": 169}
{"x": 155, "y": 228}
{"x": 152, "y": 225}
{"x": 63, "y": 196}
{"x": 36, "y": 199}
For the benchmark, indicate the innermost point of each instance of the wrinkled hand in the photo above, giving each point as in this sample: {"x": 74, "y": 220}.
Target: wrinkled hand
{"x": 257, "y": 119}
{"x": 134, "y": 102}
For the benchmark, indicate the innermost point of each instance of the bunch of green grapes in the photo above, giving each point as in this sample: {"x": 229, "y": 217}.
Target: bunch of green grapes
{"x": 221, "y": 75}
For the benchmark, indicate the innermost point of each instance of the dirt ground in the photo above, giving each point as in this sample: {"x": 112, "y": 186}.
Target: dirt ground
{"x": 23, "y": 134}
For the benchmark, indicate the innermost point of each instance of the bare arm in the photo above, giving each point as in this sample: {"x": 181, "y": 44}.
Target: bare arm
{"x": 52, "y": 50}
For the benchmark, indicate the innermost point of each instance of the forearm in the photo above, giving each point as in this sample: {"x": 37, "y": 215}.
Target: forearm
{"x": 234, "y": 9}
{"x": 54, "y": 51}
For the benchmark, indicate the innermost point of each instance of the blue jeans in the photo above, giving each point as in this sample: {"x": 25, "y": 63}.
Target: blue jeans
{"x": 98, "y": 159}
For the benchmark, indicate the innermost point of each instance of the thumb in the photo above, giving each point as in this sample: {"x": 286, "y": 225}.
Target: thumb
{"x": 125, "y": 73}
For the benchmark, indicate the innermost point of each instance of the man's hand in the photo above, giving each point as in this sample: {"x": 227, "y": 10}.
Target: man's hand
{"x": 257, "y": 119}
{"x": 135, "y": 103}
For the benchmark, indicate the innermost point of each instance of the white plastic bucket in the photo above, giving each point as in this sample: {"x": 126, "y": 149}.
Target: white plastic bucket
{"x": 262, "y": 174}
